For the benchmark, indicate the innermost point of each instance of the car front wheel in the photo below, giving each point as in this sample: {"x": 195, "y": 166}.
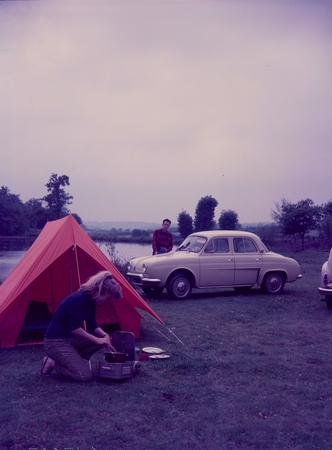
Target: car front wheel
{"x": 179, "y": 287}
{"x": 273, "y": 283}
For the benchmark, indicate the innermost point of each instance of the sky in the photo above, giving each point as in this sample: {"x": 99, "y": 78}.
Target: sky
{"x": 149, "y": 105}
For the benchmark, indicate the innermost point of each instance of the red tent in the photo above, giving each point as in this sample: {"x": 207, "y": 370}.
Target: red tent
{"x": 58, "y": 262}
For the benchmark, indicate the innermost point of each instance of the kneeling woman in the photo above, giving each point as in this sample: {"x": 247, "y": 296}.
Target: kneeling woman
{"x": 68, "y": 346}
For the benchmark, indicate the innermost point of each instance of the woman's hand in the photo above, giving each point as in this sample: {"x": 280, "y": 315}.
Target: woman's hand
{"x": 107, "y": 343}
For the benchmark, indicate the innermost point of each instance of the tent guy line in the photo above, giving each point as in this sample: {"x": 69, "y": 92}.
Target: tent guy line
{"x": 169, "y": 330}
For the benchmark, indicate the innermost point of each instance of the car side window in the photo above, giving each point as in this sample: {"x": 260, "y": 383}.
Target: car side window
{"x": 243, "y": 245}
{"x": 222, "y": 246}
{"x": 209, "y": 248}
{"x": 217, "y": 246}
{"x": 238, "y": 245}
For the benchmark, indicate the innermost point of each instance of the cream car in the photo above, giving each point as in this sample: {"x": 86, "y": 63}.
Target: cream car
{"x": 325, "y": 287}
{"x": 214, "y": 259}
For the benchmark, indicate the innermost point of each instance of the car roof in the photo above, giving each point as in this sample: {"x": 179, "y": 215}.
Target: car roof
{"x": 224, "y": 233}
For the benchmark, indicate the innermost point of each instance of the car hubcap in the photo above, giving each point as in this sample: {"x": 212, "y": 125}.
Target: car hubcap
{"x": 181, "y": 288}
{"x": 274, "y": 283}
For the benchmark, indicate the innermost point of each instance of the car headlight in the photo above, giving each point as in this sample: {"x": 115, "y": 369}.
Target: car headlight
{"x": 129, "y": 267}
{"x": 144, "y": 268}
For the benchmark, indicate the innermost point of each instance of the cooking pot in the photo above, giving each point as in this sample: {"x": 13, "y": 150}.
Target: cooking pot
{"x": 116, "y": 357}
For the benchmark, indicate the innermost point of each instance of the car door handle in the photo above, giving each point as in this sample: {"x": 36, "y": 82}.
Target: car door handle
{"x": 258, "y": 259}
{"x": 229, "y": 259}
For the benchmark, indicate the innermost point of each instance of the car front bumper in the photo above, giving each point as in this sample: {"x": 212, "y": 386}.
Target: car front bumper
{"x": 327, "y": 291}
{"x": 138, "y": 279}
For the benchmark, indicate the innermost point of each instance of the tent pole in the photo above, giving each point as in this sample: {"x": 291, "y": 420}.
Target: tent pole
{"x": 78, "y": 273}
{"x": 77, "y": 266}
{"x": 71, "y": 273}
{"x": 51, "y": 281}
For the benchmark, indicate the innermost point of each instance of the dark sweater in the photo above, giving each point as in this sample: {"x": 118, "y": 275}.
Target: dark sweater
{"x": 70, "y": 314}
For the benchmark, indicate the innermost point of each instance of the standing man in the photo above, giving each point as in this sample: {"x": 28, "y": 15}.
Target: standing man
{"x": 162, "y": 239}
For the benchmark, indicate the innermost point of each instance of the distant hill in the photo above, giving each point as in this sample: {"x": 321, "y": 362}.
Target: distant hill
{"x": 123, "y": 225}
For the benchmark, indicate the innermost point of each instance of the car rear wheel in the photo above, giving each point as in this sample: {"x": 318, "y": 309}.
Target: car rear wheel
{"x": 273, "y": 283}
{"x": 152, "y": 290}
{"x": 328, "y": 300}
{"x": 179, "y": 287}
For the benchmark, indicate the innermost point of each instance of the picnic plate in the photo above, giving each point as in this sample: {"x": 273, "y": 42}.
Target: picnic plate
{"x": 159, "y": 356}
{"x": 152, "y": 350}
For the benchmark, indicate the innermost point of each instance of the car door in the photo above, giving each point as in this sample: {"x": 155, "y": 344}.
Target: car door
{"x": 248, "y": 261}
{"x": 216, "y": 264}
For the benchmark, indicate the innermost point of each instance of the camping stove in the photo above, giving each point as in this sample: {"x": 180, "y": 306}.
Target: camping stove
{"x": 118, "y": 371}
{"x": 123, "y": 342}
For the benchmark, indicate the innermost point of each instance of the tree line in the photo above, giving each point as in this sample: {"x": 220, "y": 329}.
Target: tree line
{"x": 290, "y": 219}
{"x": 18, "y": 218}
{"x": 204, "y": 218}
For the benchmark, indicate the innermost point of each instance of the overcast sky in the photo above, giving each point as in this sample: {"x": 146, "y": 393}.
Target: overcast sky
{"x": 148, "y": 106}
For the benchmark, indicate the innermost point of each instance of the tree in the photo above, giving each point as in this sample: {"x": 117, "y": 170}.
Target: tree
{"x": 228, "y": 220}
{"x": 36, "y": 213}
{"x": 57, "y": 199}
{"x": 185, "y": 224}
{"x": 297, "y": 218}
{"x": 204, "y": 214}
{"x": 327, "y": 209}
{"x": 269, "y": 233}
{"x": 13, "y": 221}
{"x": 325, "y": 225}
{"x": 77, "y": 218}
{"x": 136, "y": 232}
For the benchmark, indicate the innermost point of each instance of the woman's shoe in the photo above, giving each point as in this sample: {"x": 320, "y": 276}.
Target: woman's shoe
{"x": 47, "y": 366}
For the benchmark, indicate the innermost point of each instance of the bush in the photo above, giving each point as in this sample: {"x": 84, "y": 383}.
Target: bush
{"x": 119, "y": 263}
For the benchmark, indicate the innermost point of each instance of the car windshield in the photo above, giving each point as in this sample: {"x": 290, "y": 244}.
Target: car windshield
{"x": 192, "y": 244}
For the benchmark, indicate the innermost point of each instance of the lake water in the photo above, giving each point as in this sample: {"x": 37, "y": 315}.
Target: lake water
{"x": 124, "y": 251}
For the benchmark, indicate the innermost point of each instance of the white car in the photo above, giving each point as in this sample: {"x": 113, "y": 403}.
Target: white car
{"x": 214, "y": 259}
{"x": 325, "y": 287}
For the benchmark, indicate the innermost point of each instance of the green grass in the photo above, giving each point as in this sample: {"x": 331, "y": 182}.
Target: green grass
{"x": 254, "y": 373}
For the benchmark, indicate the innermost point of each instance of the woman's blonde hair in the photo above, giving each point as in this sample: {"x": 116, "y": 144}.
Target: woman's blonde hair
{"x": 100, "y": 284}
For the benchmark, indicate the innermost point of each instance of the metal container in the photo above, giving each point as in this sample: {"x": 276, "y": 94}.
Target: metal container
{"x": 116, "y": 357}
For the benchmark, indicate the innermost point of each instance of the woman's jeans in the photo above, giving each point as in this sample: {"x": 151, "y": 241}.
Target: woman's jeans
{"x": 72, "y": 357}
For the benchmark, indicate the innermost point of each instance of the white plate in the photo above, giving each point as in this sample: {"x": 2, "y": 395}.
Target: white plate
{"x": 159, "y": 356}
{"x": 152, "y": 350}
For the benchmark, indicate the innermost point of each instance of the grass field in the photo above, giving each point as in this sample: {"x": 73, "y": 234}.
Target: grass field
{"x": 253, "y": 373}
